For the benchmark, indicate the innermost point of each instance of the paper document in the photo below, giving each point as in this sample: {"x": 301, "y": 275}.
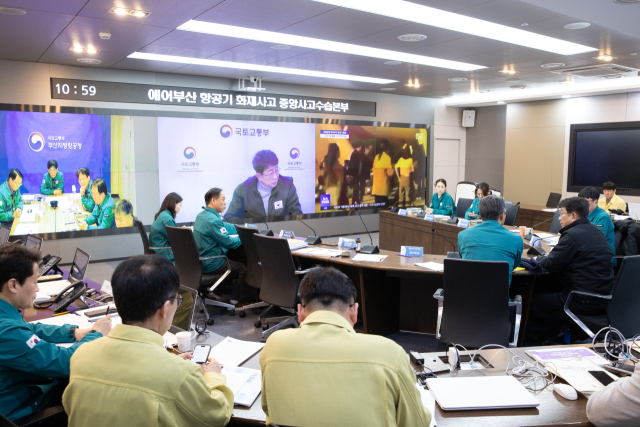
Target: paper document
{"x": 441, "y": 217}
{"x": 28, "y": 197}
{"x": 429, "y": 402}
{"x": 48, "y": 289}
{"x": 170, "y": 340}
{"x": 27, "y": 228}
{"x": 369, "y": 258}
{"x": 567, "y": 354}
{"x": 65, "y": 319}
{"x": 545, "y": 235}
{"x": 232, "y": 353}
{"x": 296, "y": 244}
{"x": 245, "y": 383}
{"x": 431, "y": 265}
{"x": 576, "y": 373}
{"x": 549, "y": 210}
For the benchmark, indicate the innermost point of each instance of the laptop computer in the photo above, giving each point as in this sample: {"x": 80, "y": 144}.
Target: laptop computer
{"x": 4, "y": 234}
{"x": 33, "y": 242}
{"x": 76, "y": 275}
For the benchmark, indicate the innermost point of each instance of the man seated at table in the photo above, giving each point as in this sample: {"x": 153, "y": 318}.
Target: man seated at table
{"x": 102, "y": 215}
{"x": 213, "y": 237}
{"x": 84, "y": 179}
{"x": 53, "y": 180}
{"x": 618, "y": 404}
{"x": 581, "y": 261}
{"x": 30, "y": 361}
{"x": 10, "y": 198}
{"x": 129, "y": 378}
{"x": 611, "y": 200}
{"x": 324, "y": 373}
{"x": 489, "y": 240}
{"x": 599, "y": 217}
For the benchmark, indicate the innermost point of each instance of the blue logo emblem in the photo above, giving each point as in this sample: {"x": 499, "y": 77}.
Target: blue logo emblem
{"x": 189, "y": 152}
{"x": 226, "y": 131}
{"x": 325, "y": 201}
{"x": 36, "y": 141}
{"x": 294, "y": 153}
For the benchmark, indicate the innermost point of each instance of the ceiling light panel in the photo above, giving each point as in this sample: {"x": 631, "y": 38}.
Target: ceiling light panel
{"x": 256, "y": 67}
{"x": 413, "y": 12}
{"x": 313, "y": 43}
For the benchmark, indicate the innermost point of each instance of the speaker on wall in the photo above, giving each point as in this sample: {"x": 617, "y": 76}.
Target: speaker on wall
{"x": 468, "y": 118}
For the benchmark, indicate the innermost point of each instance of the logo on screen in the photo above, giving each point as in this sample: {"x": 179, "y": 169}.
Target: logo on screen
{"x": 226, "y": 131}
{"x": 189, "y": 152}
{"x": 36, "y": 141}
{"x": 325, "y": 201}
{"x": 294, "y": 153}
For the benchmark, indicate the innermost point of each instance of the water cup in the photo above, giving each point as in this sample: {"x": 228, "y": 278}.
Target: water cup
{"x": 184, "y": 341}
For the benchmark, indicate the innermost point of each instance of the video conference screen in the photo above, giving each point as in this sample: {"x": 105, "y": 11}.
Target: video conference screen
{"x": 281, "y": 168}
{"x": 65, "y": 172}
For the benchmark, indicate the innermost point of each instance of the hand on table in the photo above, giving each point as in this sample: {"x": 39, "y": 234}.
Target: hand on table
{"x": 82, "y": 225}
{"x": 57, "y": 192}
{"x": 429, "y": 210}
{"x": 17, "y": 213}
{"x": 211, "y": 366}
{"x": 103, "y": 325}
{"x": 186, "y": 356}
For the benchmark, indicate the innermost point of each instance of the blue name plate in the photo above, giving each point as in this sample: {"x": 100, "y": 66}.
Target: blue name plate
{"x": 463, "y": 223}
{"x": 287, "y": 234}
{"x": 411, "y": 251}
{"x": 429, "y": 217}
{"x": 402, "y": 212}
{"x": 246, "y": 224}
{"x": 347, "y": 243}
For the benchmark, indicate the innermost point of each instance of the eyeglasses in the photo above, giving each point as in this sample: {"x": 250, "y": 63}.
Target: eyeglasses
{"x": 179, "y": 299}
{"x": 272, "y": 173}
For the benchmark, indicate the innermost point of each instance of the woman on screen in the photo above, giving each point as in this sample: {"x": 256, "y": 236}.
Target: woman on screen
{"x": 382, "y": 170}
{"x": 482, "y": 190}
{"x": 442, "y": 202}
{"x": 404, "y": 168}
{"x": 334, "y": 176}
{"x": 53, "y": 180}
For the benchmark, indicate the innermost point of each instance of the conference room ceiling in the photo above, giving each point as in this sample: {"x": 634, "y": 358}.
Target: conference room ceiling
{"x": 50, "y": 28}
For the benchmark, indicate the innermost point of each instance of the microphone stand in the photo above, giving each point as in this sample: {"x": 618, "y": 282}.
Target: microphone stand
{"x": 367, "y": 249}
{"x": 311, "y": 240}
{"x": 394, "y": 208}
{"x": 433, "y": 230}
{"x": 530, "y": 235}
{"x": 263, "y": 232}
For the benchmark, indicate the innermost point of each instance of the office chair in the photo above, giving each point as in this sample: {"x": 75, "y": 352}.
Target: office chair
{"x": 477, "y": 304}
{"x": 54, "y": 416}
{"x": 512, "y": 214}
{"x": 280, "y": 282}
{"x": 189, "y": 266}
{"x": 253, "y": 277}
{"x": 148, "y": 250}
{"x": 553, "y": 200}
{"x": 462, "y": 206}
{"x": 555, "y": 226}
{"x": 465, "y": 190}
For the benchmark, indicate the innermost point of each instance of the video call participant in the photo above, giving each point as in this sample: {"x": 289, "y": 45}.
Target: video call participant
{"x": 334, "y": 176}
{"x": 213, "y": 238}
{"x": 85, "y": 182}
{"x": 441, "y": 202}
{"x": 404, "y": 168}
{"x": 599, "y": 217}
{"x": 611, "y": 200}
{"x": 490, "y": 241}
{"x": 30, "y": 361}
{"x": 581, "y": 261}
{"x": 129, "y": 378}
{"x": 158, "y": 239}
{"x": 482, "y": 190}
{"x": 359, "y": 171}
{"x": 267, "y": 193}
{"x": 102, "y": 214}
{"x": 53, "y": 180}
{"x": 123, "y": 213}
{"x": 324, "y": 373}
{"x": 10, "y": 198}
{"x": 382, "y": 170}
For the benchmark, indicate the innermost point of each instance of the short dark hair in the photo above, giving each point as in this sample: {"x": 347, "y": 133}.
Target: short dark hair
{"x": 442, "y": 181}
{"x": 14, "y": 173}
{"x": 123, "y": 207}
{"x": 100, "y": 185}
{"x": 326, "y": 285}
{"x": 53, "y": 163}
{"x": 609, "y": 185}
{"x": 576, "y": 204}
{"x": 589, "y": 193}
{"x": 83, "y": 171}
{"x": 142, "y": 284}
{"x": 491, "y": 207}
{"x": 16, "y": 262}
{"x": 264, "y": 159}
{"x": 213, "y": 193}
{"x": 169, "y": 204}
{"x": 484, "y": 187}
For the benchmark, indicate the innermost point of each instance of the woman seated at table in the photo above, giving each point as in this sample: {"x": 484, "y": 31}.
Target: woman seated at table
{"x": 52, "y": 181}
{"x": 441, "y": 202}
{"x": 482, "y": 190}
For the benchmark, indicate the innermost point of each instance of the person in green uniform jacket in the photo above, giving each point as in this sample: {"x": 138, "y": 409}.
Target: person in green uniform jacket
{"x": 10, "y": 198}
{"x": 30, "y": 362}
{"x": 441, "y": 202}
{"x": 599, "y": 217}
{"x": 213, "y": 237}
{"x": 482, "y": 190}
{"x": 85, "y": 182}
{"x": 490, "y": 241}
{"x": 102, "y": 215}
{"x": 53, "y": 180}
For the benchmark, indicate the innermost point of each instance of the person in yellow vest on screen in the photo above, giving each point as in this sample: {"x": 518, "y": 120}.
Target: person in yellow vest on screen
{"x": 611, "y": 200}
{"x": 404, "y": 167}
{"x": 53, "y": 180}
{"x": 382, "y": 170}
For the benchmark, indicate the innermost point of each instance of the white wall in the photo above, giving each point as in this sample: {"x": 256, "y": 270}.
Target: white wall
{"x": 447, "y": 126}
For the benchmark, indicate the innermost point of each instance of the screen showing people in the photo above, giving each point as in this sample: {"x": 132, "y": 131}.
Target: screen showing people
{"x": 283, "y": 168}
{"x": 65, "y": 172}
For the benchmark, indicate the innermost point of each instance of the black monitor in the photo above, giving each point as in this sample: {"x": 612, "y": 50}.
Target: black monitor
{"x": 79, "y": 265}
{"x": 33, "y": 242}
{"x": 4, "y": 234}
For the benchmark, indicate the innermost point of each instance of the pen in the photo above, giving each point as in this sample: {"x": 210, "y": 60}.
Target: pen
{"x": 60, "y": 314}
{"x": 406, "y": 256}
{"x": 108, "y": 307}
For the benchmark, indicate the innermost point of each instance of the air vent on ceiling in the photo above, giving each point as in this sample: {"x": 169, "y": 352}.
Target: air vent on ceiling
{"x": 597, "y": 71}
{"x": 625, "y": 1}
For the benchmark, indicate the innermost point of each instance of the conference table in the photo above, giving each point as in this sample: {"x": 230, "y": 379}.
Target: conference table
{"x": 530, "y": 215}
{"x": 39, "y": 217}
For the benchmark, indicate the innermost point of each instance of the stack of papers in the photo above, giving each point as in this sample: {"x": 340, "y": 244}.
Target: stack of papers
{"x": 369, "y": 258}
{"x": 567, "y": 354}
{"x": 27, "y": 228}
{"x": 48, "y": 289}
{"x": 431, "y": 265}
{"x": 245, "y": 384}
{"x": 576, "y": 373}
{"x": 296, "y": 244}
{"x": 320, "y": 252}
{"x": 232, "y": 353}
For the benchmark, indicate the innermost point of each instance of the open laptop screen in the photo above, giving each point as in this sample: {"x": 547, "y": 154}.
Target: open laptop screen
{"x": 79, "y": 266}
{"x": 4, "y": 234}
{"x": 33, "y": 242}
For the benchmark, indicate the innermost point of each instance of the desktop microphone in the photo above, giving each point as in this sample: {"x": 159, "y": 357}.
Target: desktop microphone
{"x": 311, "y": 240}
{"x": 263, "y": 232}
{"x": 433, "y": 230}
{"x": 530, "y": 235}
{"x": 394, "y": 208}
{"x": 367, "y": 249}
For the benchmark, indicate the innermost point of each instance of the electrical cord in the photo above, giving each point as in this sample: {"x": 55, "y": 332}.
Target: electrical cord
{"x": 618, "y": 343}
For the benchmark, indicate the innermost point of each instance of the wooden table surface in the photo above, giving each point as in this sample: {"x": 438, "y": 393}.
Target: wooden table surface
{"x": 48, "y": 219}
{"x": 530, "y": 215}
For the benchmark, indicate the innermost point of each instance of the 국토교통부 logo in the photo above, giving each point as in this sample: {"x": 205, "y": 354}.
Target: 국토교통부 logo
{"x": 189, "y": 152}
{"x": 36, "y": 141}
{"x": 294, "y": 153}
{"x": 226, "y": 131}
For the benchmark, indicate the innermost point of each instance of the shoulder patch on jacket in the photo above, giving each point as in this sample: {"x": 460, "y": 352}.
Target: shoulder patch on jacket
{"x": 223, "y": 230}
{"x": 31, "y": 342}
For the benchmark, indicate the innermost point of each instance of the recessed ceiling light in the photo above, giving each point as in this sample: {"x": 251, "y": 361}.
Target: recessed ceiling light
{"x": 392, "y": 62}
{"x": 458, "y": 79}
{"x": 567, "y": 81}
{"x": 80, "y": 49}
{"x": 388, "y": 89}
{"x": 500, "y": 102}
{"x": 414, "y": 84}
{"x": 130, "y": 12}
{"x": 626, "y": 1}
{"x": 313, "y": 43}
{"x": 518, "y": 87}
{"x": 605, "y": 57}
{"x": 566, "y": 96}
{"x": 120, "y": 11}
{"x": 618, "y": 76}
{"x": 553, "y": 65}
{"x": 91, "y": 50}
{"x": 12, "y": 11}
{"x": 412, "y": 12}
{"x": 89, "y": 61}
{"x": 280, "y": 47}
{"x": 508, "y": 71}
{"x": 577, "y": 26}
{"x": 412, "y": 37}
{"x": 524, "y": 24}
{"x": 633, "y": 54}
{"x": 255, "y": 67}
{"x": 513, "y": 80}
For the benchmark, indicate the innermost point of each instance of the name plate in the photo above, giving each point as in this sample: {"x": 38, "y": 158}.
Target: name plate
{"x": 347, "y": 243}
{"x": 246, "y": 224}
{"x": 464, "y": 223}
{"x": 402, "y": 212}
{"x": 429, "y": 217}
{"x": 411, "y": 250}
{"x": 287, "y": 234}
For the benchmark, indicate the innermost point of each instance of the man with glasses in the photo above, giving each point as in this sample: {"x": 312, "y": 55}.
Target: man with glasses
{"x": 267, "y": 193}
{"x": 599, "y": 217}
{"x": 129, "y": 378}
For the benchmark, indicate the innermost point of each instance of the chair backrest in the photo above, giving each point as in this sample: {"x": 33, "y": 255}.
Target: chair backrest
{"x": 143, "y": 235}
{"x": 622, "y": 310}
{"x": 254, "y": 269}
{"x": 186, "y": 255}
{"x": 462, "y": 206}
{"x": 555, "y": 226}
{"x": 553, "y": 200}
{"x": 512, "y": 214}
{"x": 279, "y": 281}
{"x": 496, "y": 192}
{"x": 465, "y": 190}
{"x": 476, "y": 303}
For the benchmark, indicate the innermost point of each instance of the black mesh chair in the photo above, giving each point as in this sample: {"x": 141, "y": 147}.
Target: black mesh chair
{"x": 477, "y": 304}
{"x": 553, "y": 200}
{"x": 189, "y": 266}
{"x": 463, "y": 205}
{"x": 622, "y": 303}
{"x": 280, "y": 282}
{"x": 148, "y": 250}
{"x": 555, "y": 226}
{"x": 512, "y": 214}
{"x": 253, "y": 277}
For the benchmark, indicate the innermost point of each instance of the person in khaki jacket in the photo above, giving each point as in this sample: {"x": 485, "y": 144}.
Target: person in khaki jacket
{"x": 130, "y": 379}
{"x": 325, "y": 374}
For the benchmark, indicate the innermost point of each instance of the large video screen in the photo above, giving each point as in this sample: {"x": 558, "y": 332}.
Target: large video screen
{"x": 65, "y": 172}
{"x": 271, "y": 169}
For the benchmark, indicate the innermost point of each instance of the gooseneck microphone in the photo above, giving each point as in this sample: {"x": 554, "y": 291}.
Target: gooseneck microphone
{"x": 433, "y": 230}
{"x": 367, "y": 249}
{"x": 394, "y": 208}
{"x": 530, "y": 235}
{"x": 311, "y": 240}
{"x": 264, "y": 232}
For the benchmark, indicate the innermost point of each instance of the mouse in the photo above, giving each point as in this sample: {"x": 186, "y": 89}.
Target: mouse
{"x": 566, "y": 391}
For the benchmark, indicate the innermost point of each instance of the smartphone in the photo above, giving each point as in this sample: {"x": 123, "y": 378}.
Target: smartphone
{"x": 201, "y": 354}
{"x": 620, "y": 368}
{"x": 602, "y": 377}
